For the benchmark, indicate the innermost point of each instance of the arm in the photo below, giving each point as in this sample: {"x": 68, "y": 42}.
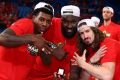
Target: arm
{"x": 10, "y": 39}
{"x": 84, "y": 75}
{"x": 75, "y": 72}
{"x": 103, "y": 72}
{"x": 98, "y": 55}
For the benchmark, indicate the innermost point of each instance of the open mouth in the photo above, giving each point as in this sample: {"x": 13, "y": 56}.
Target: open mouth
{"x": 69, "y": 30}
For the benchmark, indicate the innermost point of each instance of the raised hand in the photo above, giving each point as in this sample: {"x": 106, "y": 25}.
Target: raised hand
{"x": 80, "y": 60}
{"x": 59, "y": 77}
{"x": 98, "y": 55}
{"x": 56, "y": 50}
{"x": 37, "y": 43}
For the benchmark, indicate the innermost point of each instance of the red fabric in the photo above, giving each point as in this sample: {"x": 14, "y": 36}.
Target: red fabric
{"x": 42, "y": 72}
{"x": 110, "y": 56}
{"x": 15, "y": 62}
{"x": 112, "y": 29}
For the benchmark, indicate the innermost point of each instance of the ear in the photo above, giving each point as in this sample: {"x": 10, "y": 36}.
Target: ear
{"x": 33, "y": 17}
{"x": 112, "y": 14}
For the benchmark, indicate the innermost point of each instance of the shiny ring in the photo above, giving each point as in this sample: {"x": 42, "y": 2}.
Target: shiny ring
{"x": 43, "y": 49}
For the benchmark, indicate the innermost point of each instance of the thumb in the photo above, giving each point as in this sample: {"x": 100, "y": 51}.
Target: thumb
{"x": 39, "y": 35}
{"x": 84, "y": 53}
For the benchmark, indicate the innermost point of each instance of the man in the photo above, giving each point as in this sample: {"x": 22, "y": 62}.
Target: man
{"x": 110, "y": 28}
{"x": 90, "y": 40}
{"x": 63, "y": 33}
{"x": 96, "y": 20}
{"x": 15, "y": 60}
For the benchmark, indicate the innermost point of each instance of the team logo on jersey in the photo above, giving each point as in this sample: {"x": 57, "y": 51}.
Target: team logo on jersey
{"x": 106, "y": 33}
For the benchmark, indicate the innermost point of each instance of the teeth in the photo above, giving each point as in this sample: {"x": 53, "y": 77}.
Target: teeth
{"x": 69, "y": 30}
{"x": 41, "y": 32}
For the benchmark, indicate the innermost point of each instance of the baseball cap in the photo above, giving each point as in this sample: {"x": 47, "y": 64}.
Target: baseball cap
{"x": 70, "y": 10}
{"x": 109, "y": 8}
{"x": 87, "y": 22}
{"x": 45, "y": 6}
{"x": 95, "y": 19}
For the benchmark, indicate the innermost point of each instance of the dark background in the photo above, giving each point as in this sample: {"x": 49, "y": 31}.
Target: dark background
{"x": 12, "y": 10}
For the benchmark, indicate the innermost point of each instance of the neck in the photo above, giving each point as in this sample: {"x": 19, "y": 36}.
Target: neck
{"x": 107, "y": 22}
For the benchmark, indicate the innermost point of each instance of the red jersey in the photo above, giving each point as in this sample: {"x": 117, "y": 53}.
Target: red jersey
{"x": 110, "y": 56}
{"x": 16, "y": 61}
{"x": 112, "y": 30}
{"x": 43, "y": 72}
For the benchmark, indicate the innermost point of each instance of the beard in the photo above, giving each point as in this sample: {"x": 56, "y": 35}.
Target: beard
{"x": 67, "y": 34}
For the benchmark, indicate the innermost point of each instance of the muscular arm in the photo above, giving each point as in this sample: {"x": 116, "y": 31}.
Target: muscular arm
{"x": 9, "y": 38}
{"x": 84, "y": 75}
{"x": 103, "y": 72}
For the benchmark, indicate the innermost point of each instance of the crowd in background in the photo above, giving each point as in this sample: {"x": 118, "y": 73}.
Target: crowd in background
{"x": 11, "y": 10}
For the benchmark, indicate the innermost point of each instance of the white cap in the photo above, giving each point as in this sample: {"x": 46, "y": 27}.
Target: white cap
{"x": 70, "y": 10}
{"x": 109, "y": 8}
{"x": 44, "y": 6}
{"x": 87, "y": 22}
{"x": 95, "y": 19}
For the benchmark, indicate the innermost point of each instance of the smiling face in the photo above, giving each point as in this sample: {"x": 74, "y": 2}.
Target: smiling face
{"x": 86, "y": 34}
{"x": 42, "y": 21}
{"x": 69, "y": 25}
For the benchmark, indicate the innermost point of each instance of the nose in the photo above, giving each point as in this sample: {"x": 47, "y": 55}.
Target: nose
{"x": 85, "y": 35}
{"x": 45, "y": 23}
{"x": 69, "y": 25}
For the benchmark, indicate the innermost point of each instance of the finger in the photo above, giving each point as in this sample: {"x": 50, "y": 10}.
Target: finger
{"x": 47, "y": 42}
{"x": 74, "y": 57}
{"x": 84, "y": 53}
{"x": 75, "y": 54}
{"x": 45, "y": 50}
{"x": 102, "y": 55}
{"x": 39, "y": 35}
{"x": 103, "y": 47}
{"x": 103, "y": 51}
{"x": 59, "y": 76}
{"x": 48, "y": 48}
{"x": 73, "y": 62}
{"x": 55, "y": 74}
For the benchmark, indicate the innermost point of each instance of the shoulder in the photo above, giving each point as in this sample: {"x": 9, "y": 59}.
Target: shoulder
{"x": 109, "y": 42}
{"x": 102, "y": 26}
{"x": 115, "y": 24}
{"x": 24, "y": 20}
{"x": 22, "y": 26}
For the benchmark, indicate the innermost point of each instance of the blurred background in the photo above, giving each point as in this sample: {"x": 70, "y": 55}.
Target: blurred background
{"x": 12, "y": 10}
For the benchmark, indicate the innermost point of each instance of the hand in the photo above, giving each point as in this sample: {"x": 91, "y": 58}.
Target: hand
{"x": 80, "y": 60}
{"x": 38, "y": 41}
{"x": 98, "y": 55}
{"x": 37, "y": 44}
{"x": 59, "y": 52}
{"x": 59, "y": 77}
{"x": 55, "y": 49}
{"x": 32, "y": 49}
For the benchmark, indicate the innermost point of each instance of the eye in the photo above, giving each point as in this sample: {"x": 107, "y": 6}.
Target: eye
{"x": 41, "y": 19}
{"x": 87, "y": 31}
{"x": 80, "y": 33}
{"x": 48, "y": 21}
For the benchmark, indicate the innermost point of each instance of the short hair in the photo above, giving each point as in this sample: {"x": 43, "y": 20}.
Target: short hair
{"x": 43, "y": 7}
